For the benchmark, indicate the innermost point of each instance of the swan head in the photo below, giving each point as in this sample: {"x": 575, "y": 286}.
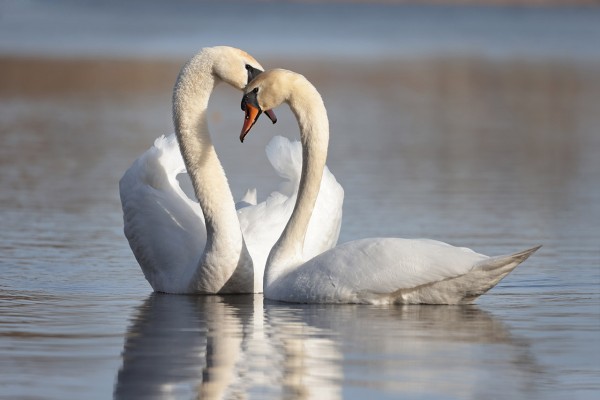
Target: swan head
{"x": 234, "y": 66}
{"x": 237, "y": 68}
{"x": 268, "y": 90}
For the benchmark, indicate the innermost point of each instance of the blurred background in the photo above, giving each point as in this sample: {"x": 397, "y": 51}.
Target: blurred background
{"x": 472, "y": 122}
{"x": 85, "y": 88}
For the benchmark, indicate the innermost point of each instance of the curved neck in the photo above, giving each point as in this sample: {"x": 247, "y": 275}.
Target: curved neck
{"x": 224, "y": 244}
{"x": 307, "y": 105}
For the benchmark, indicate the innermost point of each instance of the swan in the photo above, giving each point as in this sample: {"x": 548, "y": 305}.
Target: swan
{"x": 374, "y": 270}
{"x": 206, "y": 247}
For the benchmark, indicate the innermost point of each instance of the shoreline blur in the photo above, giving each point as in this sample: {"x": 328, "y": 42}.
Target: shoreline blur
{"x": 66, "y": 76}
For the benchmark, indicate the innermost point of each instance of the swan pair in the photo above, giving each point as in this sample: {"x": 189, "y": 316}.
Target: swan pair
{"x": 375, "y": 271}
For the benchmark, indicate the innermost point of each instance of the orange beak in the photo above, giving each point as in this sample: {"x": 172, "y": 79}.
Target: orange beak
{"x": 251, "y": 115}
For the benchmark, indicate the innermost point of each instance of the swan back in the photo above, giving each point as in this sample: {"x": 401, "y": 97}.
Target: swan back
{"x": 394, "y": 270}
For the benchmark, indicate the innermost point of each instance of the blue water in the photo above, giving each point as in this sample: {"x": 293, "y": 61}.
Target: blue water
{"x": 476, "y": 126}
{"x": 155, "y": 28}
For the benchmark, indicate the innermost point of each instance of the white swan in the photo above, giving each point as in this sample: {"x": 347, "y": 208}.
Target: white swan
{"x": 376, "y": 271}
{"x": 188, "y": 247}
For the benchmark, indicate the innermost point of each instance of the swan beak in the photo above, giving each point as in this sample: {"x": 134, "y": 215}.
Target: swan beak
{"x": 252, "y": 114}
{"x": 271, "y": 115}
{"x": 253, "y": 73}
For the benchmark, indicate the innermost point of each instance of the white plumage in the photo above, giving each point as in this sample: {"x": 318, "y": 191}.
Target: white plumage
{"x": 188, "y": 247}
{"x": 166, "y": 229}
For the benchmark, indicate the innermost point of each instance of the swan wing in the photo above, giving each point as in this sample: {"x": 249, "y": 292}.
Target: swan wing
{"x": 164, "y": 227}
{"x": 324, "y": 227}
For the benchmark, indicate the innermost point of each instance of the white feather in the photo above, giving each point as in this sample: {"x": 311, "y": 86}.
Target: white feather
{"x": 166, "y": 229}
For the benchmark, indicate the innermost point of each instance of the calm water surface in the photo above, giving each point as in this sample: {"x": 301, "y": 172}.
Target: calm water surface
{"x": 496, "y": 155}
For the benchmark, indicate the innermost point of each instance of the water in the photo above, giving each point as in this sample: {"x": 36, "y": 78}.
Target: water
{"x": 154, "y": 28}
{"x": 494, "y": 153}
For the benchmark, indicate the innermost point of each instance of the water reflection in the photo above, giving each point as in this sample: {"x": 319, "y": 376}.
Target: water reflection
{"x": 311, "y": 359}
{"x": 180, "y": 345}
{"x": 216, "y": 347}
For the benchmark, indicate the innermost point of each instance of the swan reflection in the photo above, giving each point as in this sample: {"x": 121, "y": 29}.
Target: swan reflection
{"x": 179, "y": 345}
{"x": 222, "y": 347}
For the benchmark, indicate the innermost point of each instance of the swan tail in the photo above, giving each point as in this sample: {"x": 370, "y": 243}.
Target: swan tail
{"x": 506, "y": 262}
{"x": 464, "y": 289}
{"x": 487, "y": 273}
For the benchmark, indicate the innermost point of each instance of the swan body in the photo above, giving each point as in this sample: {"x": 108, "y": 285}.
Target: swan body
{"x": 373, "y": 271}
{"x": 177, "y": 247}
{"x": 393, "y": 270}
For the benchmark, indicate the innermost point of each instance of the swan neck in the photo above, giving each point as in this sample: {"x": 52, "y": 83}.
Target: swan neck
{"x": 308, "y": 107}
{"x": 224, "y": 245}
